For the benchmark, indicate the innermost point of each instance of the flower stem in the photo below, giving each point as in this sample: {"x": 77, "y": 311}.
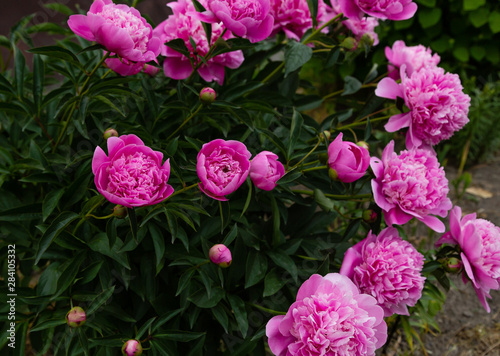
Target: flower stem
{"x": 185, "y": 122}
{"x": 273, "y": 73}
{"x": 361, "y": 123}
{"x": 319, "y": 29}
{"x": 100, "y": 217}
{"x": 181, "y": 191}
{"x": 335, "y": 93}
{"x": 267, "y": 310}
{"x": 334, "y": 196}
{"x": 207, "y": 56}
{"x": 314, "y": 168}
{"x": 305, "y": 157}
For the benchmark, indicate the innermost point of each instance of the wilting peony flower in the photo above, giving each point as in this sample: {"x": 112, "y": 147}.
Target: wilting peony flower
{"x": 266, "y": 170}
{"x": 220, "y": 255}
{"x": 479, "y": 242}
{"x": 387, "y": 268}
{"x": 76, "y": 317}
{"x": 382, "y": 9}
{"x": 347, "y": 159}
{"x": 222, "y": 167}
{"x": 119, "y": 28}
{"x": 410, "y": 185}
{"x": 294, "y": 17}
{"x": 414, "y": 57}
{"x": 132, "y": 174}
{"x": 132, "y": 348}
{"x": 184, "y": 24}
{"x": 125, "y": 67}
{"x": 330, "y": 317}
{"x": 250, "y": 19}
{"x": 437, "y": 103}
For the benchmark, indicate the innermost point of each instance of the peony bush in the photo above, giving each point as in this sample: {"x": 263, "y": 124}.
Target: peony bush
{"x": 189, "y": 188}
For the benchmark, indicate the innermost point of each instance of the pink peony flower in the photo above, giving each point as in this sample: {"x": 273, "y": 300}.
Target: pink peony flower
{"x": 387, "y": 268}
{"x": 414, "y": 57}
{"x": 382, "y": 9}
{"x": 222, "y": 167}
{"x": 330, "y": 317}
{"x": 479, "y": 242}
{"x": 266, "y": 170}
{"x": 125, "y": 67}
{"x": 347, "y": 159}
{"x": 294, "y": 17}
{"x": 411, "y": 184}
{"x": 220, "y": 255}
{"x": 250, "y": 19}
{"x": 132, "y": 348}
{"x": 132, "y": 174}
{"x": 438, "y": 106}
{"x": 119, "y": 28}
{"x": 184, "y": 24}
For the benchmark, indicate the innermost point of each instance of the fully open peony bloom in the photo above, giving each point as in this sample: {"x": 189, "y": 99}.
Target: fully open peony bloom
{"x": 330, "y": 317}
{"x": 119, "y": 28}
{"x": 266, "y": 170}
{"x": 479, "y": 242}
{"x": 438, "y": 106}
{"x": 382, "y": 9}
{"x": 222, "y": 167}
{"x": 387, "y": 268}
{"x": 183, "y": 24}
{"x": 347, "y": 159}
{"x": 414, "y": 57}
{"x": 132, "y": 174}
{"x": 249, "y": 19}
{"x": 411, "y": 184}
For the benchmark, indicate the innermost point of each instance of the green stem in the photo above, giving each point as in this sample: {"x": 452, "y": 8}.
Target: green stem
{"x": 267, "y": 310}
{"x": 319, "y": 29}
{"x": 305, "y": 157}
{"x": 100, "y": 217}
{"x": 334, "y": 196}
{"x": 206, "y": 57}
{"x": 273, "y": 73}
{"x": 103, "y": 59}
{"x": 361, "y": 123}
{"x": 314, "y": 168}
{"x": 181, "y": 191}
{"x": 185, "y": 122}
{"x": 134, "y": 4}
{"x": 335, "y": 93}
{"x": 88, "y": 214}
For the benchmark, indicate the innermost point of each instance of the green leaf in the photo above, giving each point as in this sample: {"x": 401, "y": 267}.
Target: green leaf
{"x": 184, "y": 280}
{"x": 473, "y": 4}
{"x": 429, "y": 17}
{"x": 164, "y": 319}
{"x": 159, "y": 245}
{"x": 100, "y": 300}
{"x": 313, "y": 9}
{"x": 50, "y": 202}
{"x": 295, "y": 128}
{"x": 206, "y": 26}
{"x": 461, "y": 53}
{"x": 38, "y": 81}
{"x": 180, "y": 46}
{"x": 201, "y": 299}
{"x": 325, "y": 203}
{"x": 494, "y": 21}
{"x": 221, "y": 316}
{"x": 178, "y": 335}
{"x": 428, "y": 3}
{"x": 69, "y": 270}
{"x": 57, "y": 52}
{"x": 48, "y": 324}
{"x": 100, "y": 244}
{"x": 231, "y": 235}
{"x": 240, "y": 313}
{"x": 256, "y": 268}
{"x": 284, "y": 261}
{"x": 351, "y": 86}
{"x": 231, "y": 45}
{"x": 57, "y": 226}
{"x": 479, "y": 17}
{"x": 84, "y": 341}
{"x": 144, "y": 328}
{"x": 296, "y": 55}
{"x": 273, "y": 283}
{"x": 20, "y": 63}
{"x": 63, "y": 9}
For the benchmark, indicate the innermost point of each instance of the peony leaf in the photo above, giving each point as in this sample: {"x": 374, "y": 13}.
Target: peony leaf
{"x": 296, "y": 55}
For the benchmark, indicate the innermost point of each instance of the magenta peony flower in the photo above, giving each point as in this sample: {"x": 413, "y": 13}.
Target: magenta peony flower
{"x": 132, "y": 175}
{"x": 414, "y": 57}
{"x": 387, "y": 268}
{"x": 294, "y": 17}
{"x": 411, "y": 184}
{"x": 250, "y": 19}
{"x": 330, "y": 317}
{"x": 222, "y": 167}
{"x": 479, "y": 242}
{"x": 132, "y": 348}
{"x": 347, "y": 159}
{"x": 76, "y": 317}
{"x": 220, "y": 255}
{"x": 183, "y": 24}
{"x": 438, "y": 106}
{"x": 125, "y": 67}
{"x": 119, "y": 28}
{"x": 266, "y": 170}
{"x": 382, "y": 9}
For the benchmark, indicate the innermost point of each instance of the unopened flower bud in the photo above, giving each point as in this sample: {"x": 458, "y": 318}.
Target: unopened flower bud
{"x": 332, "y": 173}
{"x": 323, "y": 157}
{"x": 132, "y": 348}
{"x": 363, "y": 144}
{"x": 207, "y": 96}
{"x": 220, "y": 255}
{"x": 110, "y": 133}
{"x": 76, "y": 317}
{"x": 326, "y": 134}
{"x": 349, "y": 43}
{"x": 120, "y": 211}
{"x": 369, "y": 216}
{"x": 367, "y": 40}
{"x": 453, "y": 265}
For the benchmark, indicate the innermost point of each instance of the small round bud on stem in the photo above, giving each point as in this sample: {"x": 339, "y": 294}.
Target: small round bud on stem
{"x": 323, "y": 157}
{"x": 349, "y": 43}
{"x": 120, "y": 211}
{"x": 132, "y": 348}
{"x": 220, "y": 255}
{"x": 110, "y": 133}
{"x": 369, "y": 216}
{"x": 326, "y": 134}
{"x": 453, "y": 265}
{"x": 363, "y": 144}
{"x": 332, "y": 173}
{"x": 207, "y": 96}
{"x": 76, "y": 317}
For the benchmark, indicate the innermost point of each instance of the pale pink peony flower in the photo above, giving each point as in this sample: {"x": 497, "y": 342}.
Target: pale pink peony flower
{"x": 183, "y": 24}
{"x": 222, "y": 167}
{"x": 348, "y": 160}
{"x": 132, "y": 174}
{"x": 294, "y": 17}
{"x": 266, "y": 170}
{"x": 330, "y": 317}
{"x": 437, "y": 103}
{"x": 479, "y": 242}
{"x": 414, "y": 57}
{"x": 249, "y": 19}
{"x": 382, "y": 9}
{"x": 119, "y": 28}
{"x": 387, "y": 268}
{"x": 410, "y": 185}
{"x": 220, "y": 255}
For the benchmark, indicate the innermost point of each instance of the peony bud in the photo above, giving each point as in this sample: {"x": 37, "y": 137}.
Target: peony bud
{"x": 332, "y": 173}
{"x": 363, "y": 144}
{"x": 110, "y": 133}
{"x": 349, "y": 43}
{"x": 266, "y": 170}
{"x": 132, "y": 348}
{"x": 453, "y": 265}
{"x": 369, "y": 216}
{"x": 220, "y": 255}
{"x": 76, "y": 317}
{"x": 348, "y": 160}
{"x": 120, "y": 211}
{"x": 207, "y": 96}
{"x": 323, "y": 158}
{"x": 326, "y": 134}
